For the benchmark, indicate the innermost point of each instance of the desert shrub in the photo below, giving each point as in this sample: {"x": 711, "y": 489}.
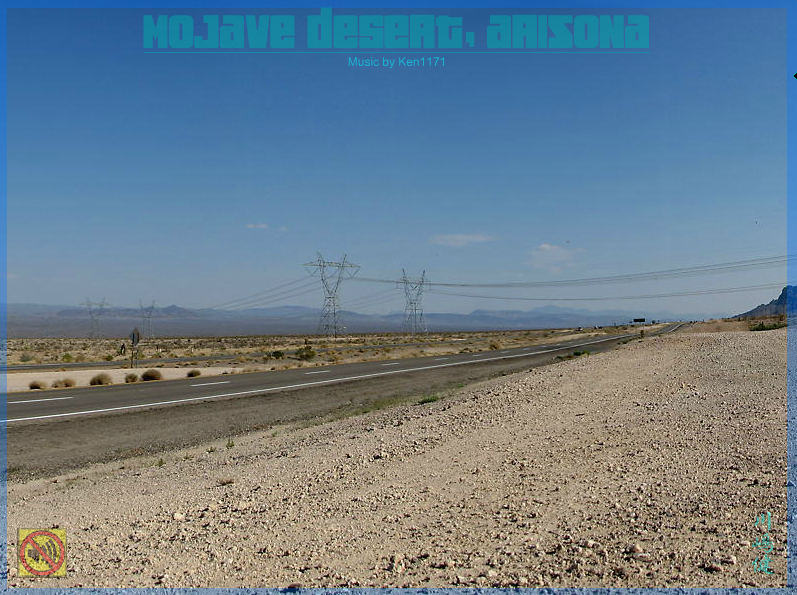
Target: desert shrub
{"x": 494, "y": 345}
{"x": 761, "y": 326}
{"x": 305, "y": 353}
{"x": 100, "y": 379}
{"x": 277, "y": 354}
{"x": 193, "y": 373}
{"x": 67, "y": 357}
{"x": 131, "y": 377}
{"x": 25, "y": 357}
{"x": 37, "y": 385}
{"x": 63, "y": 383}
{"x": 109, "y": 357}
{"x": 428, "y": 399}
{"x": 151, "y": 375}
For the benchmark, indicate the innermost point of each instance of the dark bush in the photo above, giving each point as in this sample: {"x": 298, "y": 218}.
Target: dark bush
{"x": 100, "y": 379}
{"x": 151, "y": 375}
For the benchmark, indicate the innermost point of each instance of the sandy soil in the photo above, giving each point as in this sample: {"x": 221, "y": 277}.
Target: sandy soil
{"x": 643, "y": 466}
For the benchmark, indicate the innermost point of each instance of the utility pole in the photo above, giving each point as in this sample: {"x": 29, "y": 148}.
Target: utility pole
{"x": 146, "y": 318}
{"x": 96, "y": 309}
{"x": 332, "y": 275}
{"x": 414, "y": 322}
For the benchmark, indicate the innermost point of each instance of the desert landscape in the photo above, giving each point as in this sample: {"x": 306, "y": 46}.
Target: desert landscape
{"x": 630, "y": 468}
{"x": 212, "y": 356}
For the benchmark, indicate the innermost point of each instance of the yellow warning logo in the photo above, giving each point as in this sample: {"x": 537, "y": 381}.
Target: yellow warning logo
{"x": 42, "y": 552}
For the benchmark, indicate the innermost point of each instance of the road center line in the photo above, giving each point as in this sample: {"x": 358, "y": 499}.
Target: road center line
{"x": 212, "y": 383}
{"x": 437, "y": 359}
{"x": 38, "y": 400}
{"x": 392, "y": 364}
{"x": 318, "y": 372}
{"x": 303, "y": 384}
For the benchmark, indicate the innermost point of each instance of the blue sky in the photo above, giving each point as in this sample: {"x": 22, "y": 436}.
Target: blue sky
{"x": 195, "y": 179}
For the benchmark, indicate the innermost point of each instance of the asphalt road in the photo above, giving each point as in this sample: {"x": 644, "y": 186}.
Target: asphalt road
{"x": 70, "y": 403}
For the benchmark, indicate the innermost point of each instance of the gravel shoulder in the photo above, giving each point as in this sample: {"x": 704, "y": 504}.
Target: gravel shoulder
{"x": 644, "y": 466}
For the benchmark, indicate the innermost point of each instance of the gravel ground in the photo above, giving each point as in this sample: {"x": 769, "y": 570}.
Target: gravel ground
{"x": 643, "y": 466}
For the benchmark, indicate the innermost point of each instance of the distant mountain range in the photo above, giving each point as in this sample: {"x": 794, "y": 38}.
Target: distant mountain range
{"x": 37, "y": 320}
{"x": 784, "y": 304}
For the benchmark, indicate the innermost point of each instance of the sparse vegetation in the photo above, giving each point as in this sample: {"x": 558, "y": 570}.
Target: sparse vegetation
{"x": 225, "y": 482}
{"x": 25, "y": 357}
{"x": 37, "y": 385}
{"x": 131, "y": 377}
{"x": 193, "y": 373}
{"x": 151, "y": 375}
{"x": 212, "y": 449}
{"x": 763, "y": 326}
{"x": 63, "y": 383}
{"x": 495, "y": 345}
{"x": 161, "y": 462}
{"x": 100, "y": 379}
{"x": 277, "y": 354}
{"x": 575, "y": 354}
{"x": 305, "y": 353}
{"x": 230, "y": 443}
{"x": 428, "y": 399}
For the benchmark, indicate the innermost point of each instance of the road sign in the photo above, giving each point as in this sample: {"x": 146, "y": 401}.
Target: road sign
{"x": 639, "y": 320}
{"x": 135, "y": 337}
{"x": 42, "y": 552}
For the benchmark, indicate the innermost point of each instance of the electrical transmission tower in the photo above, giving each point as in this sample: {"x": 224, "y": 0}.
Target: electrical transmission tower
{"x": 96, "y": 309}
{"x": 332, "y": 275}
{"x": 414, "y": 322}
{"x": 146, "y": 317}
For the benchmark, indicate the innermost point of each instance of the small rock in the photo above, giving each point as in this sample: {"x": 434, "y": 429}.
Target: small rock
{"x": 634, "y": 548}
{"x": 178, "y": 516}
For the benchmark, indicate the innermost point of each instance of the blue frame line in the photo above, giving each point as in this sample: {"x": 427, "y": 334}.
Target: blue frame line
{"x": 791, "y": 61}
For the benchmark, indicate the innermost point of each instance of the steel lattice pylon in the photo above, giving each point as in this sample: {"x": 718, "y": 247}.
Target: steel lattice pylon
{"x": 414, "y": 322}
{"x": 332, "y": 275}
{"x": 146, "y": 317}
{"x": 96, "y": 309}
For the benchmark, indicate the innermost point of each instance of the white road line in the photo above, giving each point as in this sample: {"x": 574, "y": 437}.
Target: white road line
{"x": 212, "y": 383}
{"x": 302, "y": 384}
{"x": 392, "y": 364}
{"x": 318, "y": 372}
{"x": 38, "y": 400}
{"x": 438, "y": 359}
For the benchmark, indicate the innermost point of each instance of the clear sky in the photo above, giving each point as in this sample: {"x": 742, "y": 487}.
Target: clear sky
{"x": 196, "y": 179}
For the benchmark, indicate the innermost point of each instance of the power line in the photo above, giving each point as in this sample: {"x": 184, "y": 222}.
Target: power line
{"x": 727, "y": 267}
{"x": 376, "y": 302}
{"x": 356, "y": 301}
{"x": 272, "y": 297}
{"x": 254, "y": 295}
{"x": 276, "y": 299}
{"x": 621, "y": 297}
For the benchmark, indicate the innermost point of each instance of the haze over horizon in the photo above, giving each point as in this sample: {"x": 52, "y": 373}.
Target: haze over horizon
{"x": 198, "y": 180}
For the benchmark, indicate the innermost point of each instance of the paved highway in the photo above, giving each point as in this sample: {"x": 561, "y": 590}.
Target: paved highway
{"x": 68, "y": 403}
